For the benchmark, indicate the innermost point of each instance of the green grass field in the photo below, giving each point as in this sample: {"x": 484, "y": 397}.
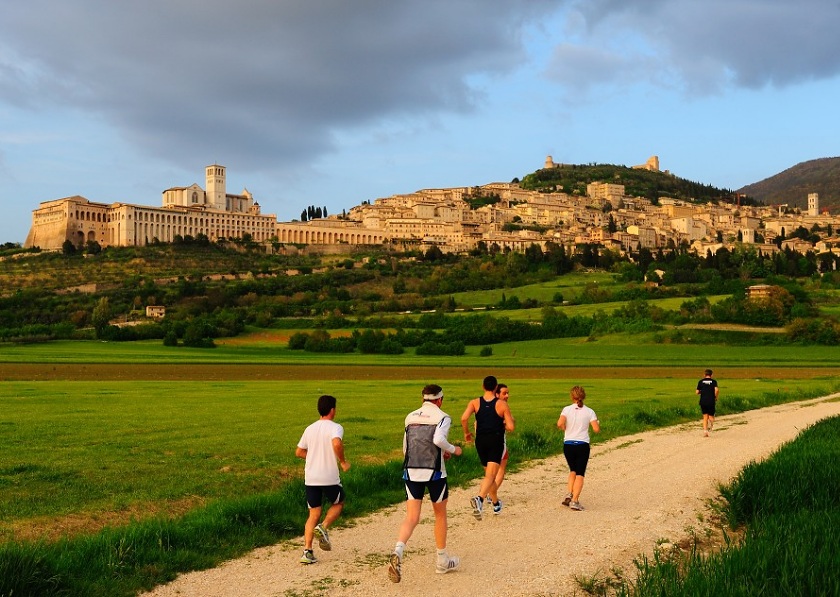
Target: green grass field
{"x": 102, "y": 449}
{"x": 107, "y": 487}
{"x": 611, "y": 351}
{"x": 569, "y": 285}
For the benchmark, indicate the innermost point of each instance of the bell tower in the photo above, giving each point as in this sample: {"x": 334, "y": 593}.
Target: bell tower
{"x": 215, "y": 187}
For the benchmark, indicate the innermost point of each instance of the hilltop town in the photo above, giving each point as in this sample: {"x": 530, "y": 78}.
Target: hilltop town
{"x": 495, "y": 216}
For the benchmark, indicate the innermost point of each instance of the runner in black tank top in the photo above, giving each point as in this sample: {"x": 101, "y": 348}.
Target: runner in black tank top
{"x": 489, "y": 440}
{"x": 487, "y": 420}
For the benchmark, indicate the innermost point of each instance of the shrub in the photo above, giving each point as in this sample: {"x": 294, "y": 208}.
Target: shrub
{"x": 391, "y": 346}
{"x": 456, "y": 348}
{"x": 298, "y": 341}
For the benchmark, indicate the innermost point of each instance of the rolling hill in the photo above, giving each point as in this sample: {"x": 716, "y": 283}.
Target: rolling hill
{"x": 793, "y": 185}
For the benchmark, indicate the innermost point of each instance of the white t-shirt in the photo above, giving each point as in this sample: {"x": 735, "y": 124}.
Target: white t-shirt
{"x": 578, "y": 419}
{"x": 321, "y": 462}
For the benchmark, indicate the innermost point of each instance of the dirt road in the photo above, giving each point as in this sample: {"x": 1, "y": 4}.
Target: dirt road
{"x": 640, "y": 490}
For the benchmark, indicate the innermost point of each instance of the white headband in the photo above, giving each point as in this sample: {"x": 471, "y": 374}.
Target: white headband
{"x": 430, "y": 397}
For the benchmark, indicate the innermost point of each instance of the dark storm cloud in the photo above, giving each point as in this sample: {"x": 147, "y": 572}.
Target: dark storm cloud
{"x": 703, "y": 45}
{"x": 267, "y": 82}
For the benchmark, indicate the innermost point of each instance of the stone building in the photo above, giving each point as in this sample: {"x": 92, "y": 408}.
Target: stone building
{"x": 440, "y": 217}
{"x": 186, "y": 211}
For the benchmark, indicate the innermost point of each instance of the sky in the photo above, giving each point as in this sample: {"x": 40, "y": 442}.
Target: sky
{"x": 330, "y": 103}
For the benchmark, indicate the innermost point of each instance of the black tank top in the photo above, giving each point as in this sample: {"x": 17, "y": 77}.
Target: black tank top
{"x": 487, "y": 419}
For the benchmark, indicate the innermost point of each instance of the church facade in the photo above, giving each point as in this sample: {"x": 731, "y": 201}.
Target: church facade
{"x": 186, "y": 211}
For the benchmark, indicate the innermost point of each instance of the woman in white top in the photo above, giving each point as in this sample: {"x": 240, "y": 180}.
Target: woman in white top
{"x": 575, "y": 420}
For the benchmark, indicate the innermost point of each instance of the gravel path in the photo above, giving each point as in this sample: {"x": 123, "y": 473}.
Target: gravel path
{"x": 640, "y": 490}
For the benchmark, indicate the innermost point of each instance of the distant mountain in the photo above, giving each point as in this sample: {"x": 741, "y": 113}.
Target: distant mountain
{"x": 793, "y": 185}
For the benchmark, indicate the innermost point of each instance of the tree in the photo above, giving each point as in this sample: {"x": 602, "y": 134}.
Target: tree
{"x": 433, "y": 254}
{"x": 101, "y": 316}
{"x": 534, "y": 254}
{"x": 68, "y": 248}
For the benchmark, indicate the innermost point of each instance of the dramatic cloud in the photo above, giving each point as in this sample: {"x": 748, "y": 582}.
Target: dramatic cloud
{"x": 260, "y": 82}
{"x": 703, "y": 45}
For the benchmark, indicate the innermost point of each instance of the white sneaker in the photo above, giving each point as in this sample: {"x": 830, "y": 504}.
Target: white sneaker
{"x": 323, "y": 538}
{"x": 308, "y": 557}
{"x": 394, "y": 568}
{"x": 448, "y": 565}
{"x": 575, "y": 506}
{"x": 478, "y": 506}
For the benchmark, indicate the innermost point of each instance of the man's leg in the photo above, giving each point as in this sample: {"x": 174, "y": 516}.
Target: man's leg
{"x": 488, "y": 484}
{"x": 500, "y": 475}
{"x": 409, "y": 523}
{"x": 309, "y": 528}
{"x": 332, "y": 515}
{"x": 412, "y": 518}
{"x": 440, "y": 524}
{"x": 445, "y": 562}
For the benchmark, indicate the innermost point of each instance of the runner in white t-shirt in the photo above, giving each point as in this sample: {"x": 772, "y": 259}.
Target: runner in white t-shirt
{"x": 575, "y": 420}
{"x": 322, "y": 447}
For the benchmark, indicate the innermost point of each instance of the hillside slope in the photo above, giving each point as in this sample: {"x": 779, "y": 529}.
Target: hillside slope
{"x": 573, "y": 179}
{"x": 793, "y": 185}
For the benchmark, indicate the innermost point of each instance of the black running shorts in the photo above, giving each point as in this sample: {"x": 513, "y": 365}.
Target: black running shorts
{"x": 577, "y": 457}
{"x": 490, "y": 447}
{"x": 315, "y": 495}
{"x": 438, "y": 490}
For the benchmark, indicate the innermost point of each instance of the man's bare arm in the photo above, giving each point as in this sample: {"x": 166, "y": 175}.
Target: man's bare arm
{"x": 338, "y": 448}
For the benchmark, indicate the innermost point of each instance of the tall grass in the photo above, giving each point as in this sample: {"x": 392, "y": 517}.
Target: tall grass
{"x": 790, "y": 507}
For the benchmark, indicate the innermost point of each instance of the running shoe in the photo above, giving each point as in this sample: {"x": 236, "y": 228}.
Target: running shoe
{"x": 323, "y": 538}
{"x": 575, "y": 506}
{"x": 488, "y": 500}
{"x": 448, "y": 565}
{"x": 308, "y": 557}
{"x": 567, "y": 499}
{"x": 497, "y": 507}
{"x": 394, "y": 568}
{"x": 478, "y": 506}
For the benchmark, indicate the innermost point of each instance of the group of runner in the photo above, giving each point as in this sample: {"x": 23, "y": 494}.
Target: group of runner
{"x": 426, "y": 448}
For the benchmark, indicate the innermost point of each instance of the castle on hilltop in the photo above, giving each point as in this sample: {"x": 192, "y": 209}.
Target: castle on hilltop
{"x": 514, "y": 220}
{"x": 652, "y": 164}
